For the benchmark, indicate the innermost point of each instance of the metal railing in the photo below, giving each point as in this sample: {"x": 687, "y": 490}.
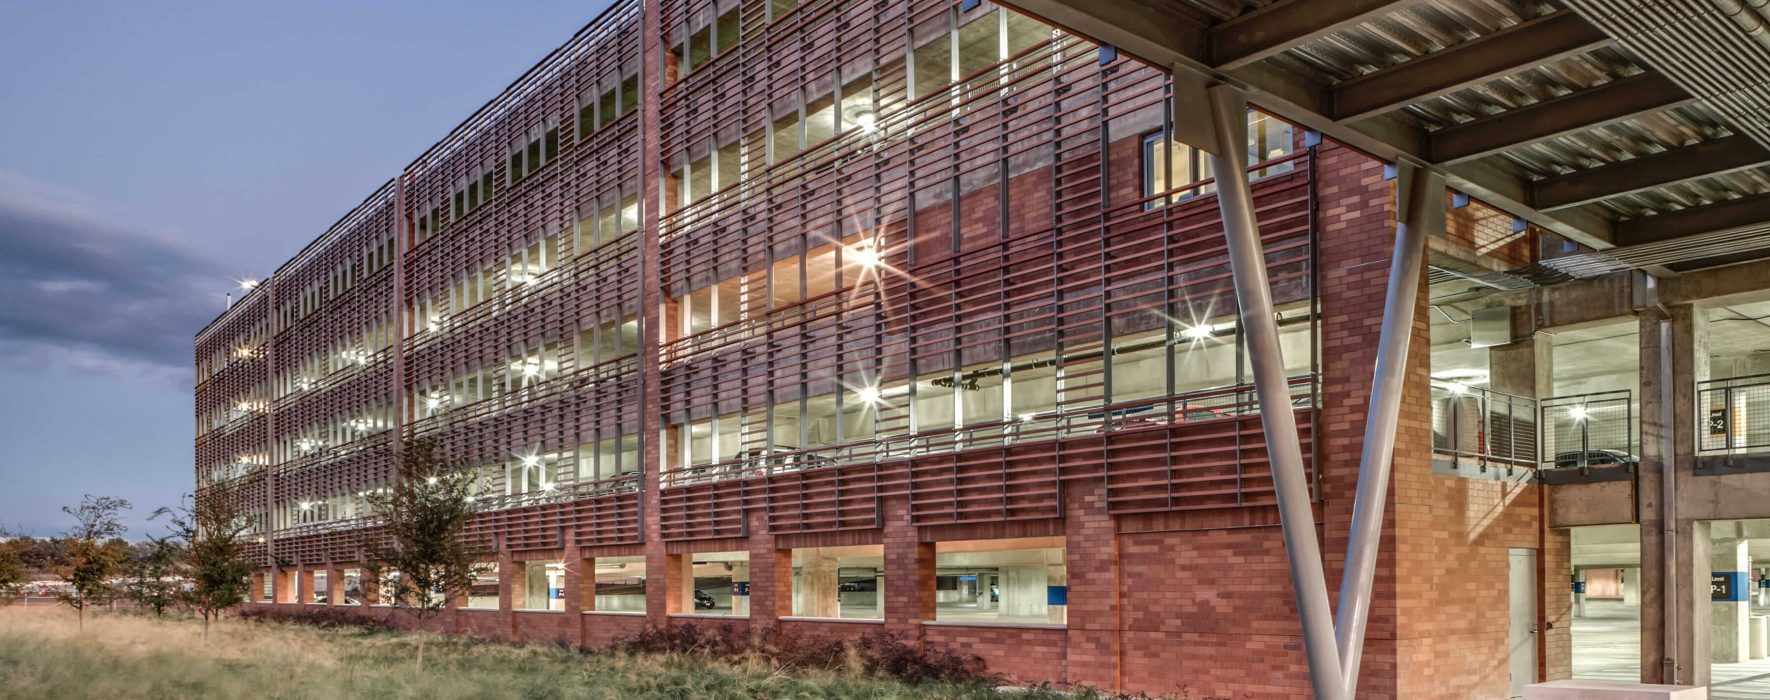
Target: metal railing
{"x": 1733, "y": 415}
{"x": 1589, "y": 430}
{"x": 1486, "y": 427}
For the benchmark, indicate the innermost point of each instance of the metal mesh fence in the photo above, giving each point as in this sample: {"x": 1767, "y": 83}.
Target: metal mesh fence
{"x": 1483, "y": 426}
{"x": 1588, "y": 430}
{"x": 1733, "y": 415}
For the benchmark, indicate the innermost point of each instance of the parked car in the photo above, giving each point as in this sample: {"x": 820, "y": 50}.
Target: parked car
{"x": 1595, "y": 458}
{"x": 704, "y": 600}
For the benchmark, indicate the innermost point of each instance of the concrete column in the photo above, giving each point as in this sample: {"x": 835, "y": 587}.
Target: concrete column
{"x": 1579, "y": 593}
{"x": 1631, "y": 585}
{"x": 1022, "y": 591}
{"x": 879, "y": 594}
{"x": 1056, "y": 593}
{"x": 815, "y": 588}
{"x": 1523, "y": 367}
{"x": 536, "y": 595}
{"x": 1693, "y": 603}
{"x": 740, "y": 588}
{"x": 1760, "y": 636}
{"x": 1730, "y": 615}
{"x": 1670, "y": 369}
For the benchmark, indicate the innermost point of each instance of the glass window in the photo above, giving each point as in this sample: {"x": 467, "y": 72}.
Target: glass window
{"x": 820, "y": 116}
{"x": 730, "y": 165}
{"x": 725, "y": 30}
{"x": 542, "y": 586}
{"x": 857, "y": 104}
{"x": 980, "y": 42}
{"x": 629, "y": 93}
{"x": 1001, "y": 581}
{"x": 784, "y": 136}
{"x": 482, "y": 593}
{"x": 932, "y": 59}
{"x": 934, "y": 402}
{"x": 839, "y": 582}
{"x": 1024, "y": 32}
{"x": 721, "y": 584}
{"x": 620, "y": 584}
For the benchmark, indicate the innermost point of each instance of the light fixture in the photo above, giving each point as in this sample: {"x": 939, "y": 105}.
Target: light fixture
{"x": 306, "y": 506}
{"x": 868, "y": 394}
{"x": 864, "y": 256}
{"x": 531, "y": 461}
{"x": 431, "y": 481}
{"x": 866, "y": 120}
{"x": 1199, "y": 332}
{"x": 1457, "y": 389}
{"x": 248, "y": 284}
{"x": 546, "y": 487}
{"x": 1026, "y": 417}
{"x": 1577, "y": 413}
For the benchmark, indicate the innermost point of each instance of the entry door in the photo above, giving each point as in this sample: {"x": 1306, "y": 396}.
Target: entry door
{"x": 1521, "y": 633}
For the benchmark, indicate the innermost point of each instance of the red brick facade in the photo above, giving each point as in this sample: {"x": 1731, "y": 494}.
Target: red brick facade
{"x": 1176, "y": 577}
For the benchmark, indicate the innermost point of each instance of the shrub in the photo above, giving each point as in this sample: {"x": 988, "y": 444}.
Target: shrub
{"x": 321, "y": 617}
{"x": 877, "y": 654}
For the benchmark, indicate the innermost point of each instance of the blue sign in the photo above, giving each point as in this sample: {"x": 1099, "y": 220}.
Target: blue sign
{"x": 1764, "y": 583}
{"x": 740, "y": 588}
{"x": 1057, "y": 595}
{"x": 1727, "y": 586}
{"x": 968, "y": 578}
{"x": 556, "y": 593}
{"x": 1579, "y": 586}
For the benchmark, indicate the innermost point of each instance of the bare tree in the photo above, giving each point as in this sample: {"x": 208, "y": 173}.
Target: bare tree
{"x": 92, "y": 562}
{"x": 423, "y": 513}
{"x": 212, "y": 529}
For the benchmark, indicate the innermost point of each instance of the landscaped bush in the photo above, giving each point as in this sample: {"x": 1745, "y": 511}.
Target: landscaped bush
{"x": 876, "y": 654}
{"x": 322, "y": 617}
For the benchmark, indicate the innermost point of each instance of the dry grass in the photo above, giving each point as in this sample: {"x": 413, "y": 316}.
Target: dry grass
{"x": 130, "y": 656}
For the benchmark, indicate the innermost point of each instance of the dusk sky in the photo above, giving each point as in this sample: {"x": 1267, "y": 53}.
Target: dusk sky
{"x": 153, "y": 153}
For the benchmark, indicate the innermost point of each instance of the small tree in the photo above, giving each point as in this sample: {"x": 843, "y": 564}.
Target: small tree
{"x": 92, "y": 561}
{"x": 423, "y": 513}
{"x": 212, "y": 530}
{"x": 153, "y": 576}
{"x": 13, "y": 573}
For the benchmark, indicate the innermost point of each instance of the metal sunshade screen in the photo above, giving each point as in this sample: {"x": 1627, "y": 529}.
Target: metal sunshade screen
{"x": 1052, "y": 241}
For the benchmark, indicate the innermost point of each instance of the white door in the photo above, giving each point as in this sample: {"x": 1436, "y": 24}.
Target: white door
{"x": 1521, "y": 633}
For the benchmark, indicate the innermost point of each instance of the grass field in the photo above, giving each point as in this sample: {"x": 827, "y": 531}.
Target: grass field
{"x": 129, "y": 656}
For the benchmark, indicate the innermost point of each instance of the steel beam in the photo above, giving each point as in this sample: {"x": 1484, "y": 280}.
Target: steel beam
{"x": 1473, "y": 62}
{"x": 1156, "y": 36}
{"x": 1253, "y": 294}
{"x": 1596, "y": 106}
{"x": 1424, "y": 196}
{"x": 1278, "y": 27}
{"x": 1696, "y": 161}
{"x": 1719, "y": 216}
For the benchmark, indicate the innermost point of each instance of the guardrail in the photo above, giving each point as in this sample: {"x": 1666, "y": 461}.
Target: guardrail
{"x": 1733, "y": 415}
{"x": 1489, "y": 428}
{"x": 1588, "y": 430}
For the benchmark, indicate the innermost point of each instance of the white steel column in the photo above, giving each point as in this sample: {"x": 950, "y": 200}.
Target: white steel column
{"x": 1253, "y": 293}
{"x": 1424, "y": 193}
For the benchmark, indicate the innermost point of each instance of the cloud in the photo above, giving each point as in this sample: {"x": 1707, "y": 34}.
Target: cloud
{"x": 83, "y": 290}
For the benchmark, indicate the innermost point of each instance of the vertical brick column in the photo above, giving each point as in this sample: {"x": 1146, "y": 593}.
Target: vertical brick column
{"x": 507, "y": 582}
{"x": 771, "y": 575}
{"x": 335, "y": 585}
{"x": 1355, "y": 221}
{"x": 909, "y": 573}
{"x": 572, "y": 596}
{"x": 283, "y": 586}
{"x": 304, "y": 587}
{"x": 1091, "y": 560}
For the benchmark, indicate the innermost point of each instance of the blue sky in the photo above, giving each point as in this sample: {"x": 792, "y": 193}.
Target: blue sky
{"x": 152, "y": 152}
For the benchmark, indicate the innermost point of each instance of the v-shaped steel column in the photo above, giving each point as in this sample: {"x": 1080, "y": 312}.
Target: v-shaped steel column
{"x": 1253, "y": 294}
